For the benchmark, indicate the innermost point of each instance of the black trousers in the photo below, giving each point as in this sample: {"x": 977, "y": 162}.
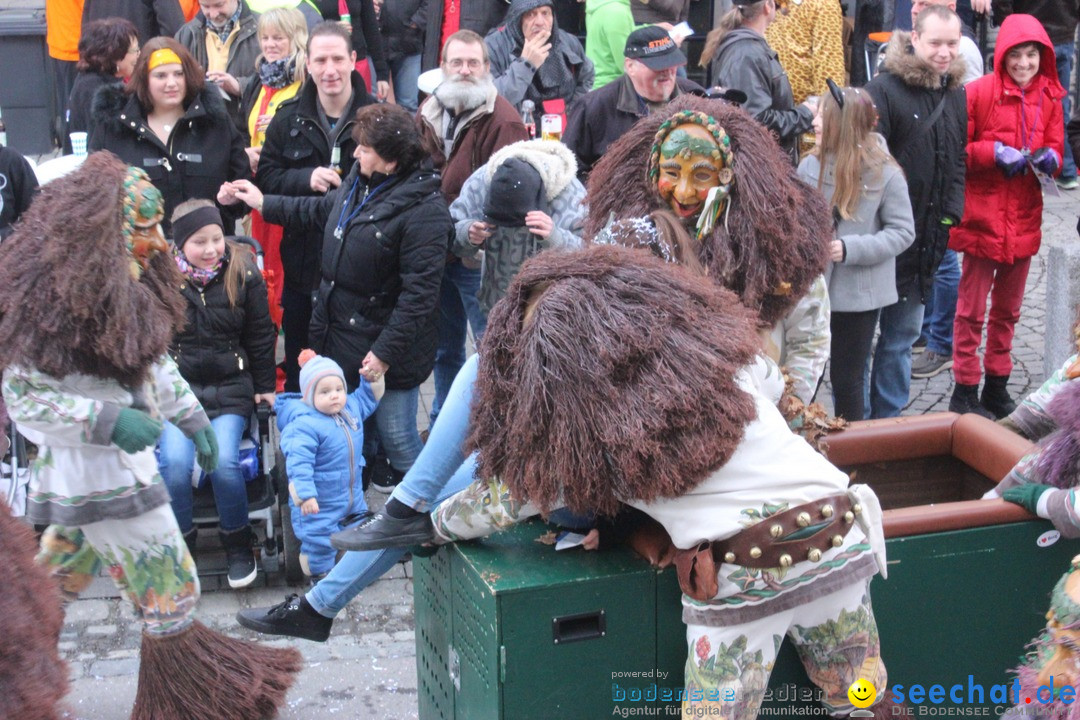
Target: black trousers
{"x": 295, "y": 320}
{"x": 852, "y": 337}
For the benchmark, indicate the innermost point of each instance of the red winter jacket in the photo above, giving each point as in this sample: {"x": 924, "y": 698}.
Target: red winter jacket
{"x": 1003, "y": 216}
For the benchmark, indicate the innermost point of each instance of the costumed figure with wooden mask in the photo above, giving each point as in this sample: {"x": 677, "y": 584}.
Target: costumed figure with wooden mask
{"x": 89, "y": 300}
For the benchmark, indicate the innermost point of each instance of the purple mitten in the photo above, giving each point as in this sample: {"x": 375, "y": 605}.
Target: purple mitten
{"x": 1046, "y": 160}
{"x": 1009, "y": 159}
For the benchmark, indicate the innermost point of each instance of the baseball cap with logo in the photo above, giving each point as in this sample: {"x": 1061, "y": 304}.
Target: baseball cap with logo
{"x": 654, "y": 47}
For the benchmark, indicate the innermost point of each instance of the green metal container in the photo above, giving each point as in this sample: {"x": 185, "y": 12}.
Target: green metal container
{"x": 509, "y": 628}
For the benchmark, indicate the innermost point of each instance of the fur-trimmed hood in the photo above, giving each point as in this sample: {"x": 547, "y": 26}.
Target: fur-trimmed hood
{"x": 901, "y": 60}
{"x": 553, "y": 160}
{"x": 114, "y": 108}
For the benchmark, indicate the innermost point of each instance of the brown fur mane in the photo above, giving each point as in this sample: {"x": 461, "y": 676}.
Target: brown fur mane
{"x": 622, "y": 385}
{"x": 778, "y": 228}
{"x": 67, "y": 300}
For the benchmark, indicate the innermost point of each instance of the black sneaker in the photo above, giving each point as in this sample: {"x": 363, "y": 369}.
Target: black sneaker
{"x": 240, "y": 556}
{"x": 383, "y": 531}
{"x": 384, "y": 478}
{"x": 294, "y": 617}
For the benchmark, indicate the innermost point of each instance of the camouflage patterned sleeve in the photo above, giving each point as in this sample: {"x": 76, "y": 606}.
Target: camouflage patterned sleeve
{"x": 1031, "y": 415}
{"x": 806, "y": 340}
{"x": 176, "y": 401}
{"x": 481, "y": 509}
{"x": 36, "y": 403}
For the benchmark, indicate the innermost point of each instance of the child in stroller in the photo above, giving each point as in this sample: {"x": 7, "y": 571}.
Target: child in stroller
{"x": 322, "y": 435}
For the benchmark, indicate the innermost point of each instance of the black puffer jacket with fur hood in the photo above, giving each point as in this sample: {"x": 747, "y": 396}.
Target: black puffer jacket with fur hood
{"x": 932, "y": 155}
{"x": 204, "y": 150}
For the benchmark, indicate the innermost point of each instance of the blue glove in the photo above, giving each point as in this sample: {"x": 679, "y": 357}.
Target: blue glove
{"x": 1027, "y": 496}
{"x": 135, "y": 430}
{"x": 1009, "y": 159}
{"x": 206, "y": 448}
{"x": 1046, "y": 160}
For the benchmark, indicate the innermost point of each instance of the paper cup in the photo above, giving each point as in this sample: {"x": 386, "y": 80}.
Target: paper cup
{"x": 78, "y": 143}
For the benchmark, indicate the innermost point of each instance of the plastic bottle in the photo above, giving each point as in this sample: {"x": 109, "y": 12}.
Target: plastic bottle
{"x": 335, "y": 160}
{"x": 528, "y": 118}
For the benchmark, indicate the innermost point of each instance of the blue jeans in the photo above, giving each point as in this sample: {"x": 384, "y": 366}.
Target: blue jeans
{"x": 458, "y": 305}
{"x": 406, "y": 71}
{"x": 940, "y": 309}
{"x": 178, "y": 460}
{"x": 395, "y": 420}
{"x": 441, "y": 470}
{"x": 1064, "y": 55}
{"x": 890, "y": 379}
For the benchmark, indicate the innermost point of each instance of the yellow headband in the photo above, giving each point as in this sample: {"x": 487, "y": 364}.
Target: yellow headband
{"x": 164, "y": 56}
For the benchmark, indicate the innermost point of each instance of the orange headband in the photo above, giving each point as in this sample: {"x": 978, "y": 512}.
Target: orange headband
{"x": 164, "y": 56}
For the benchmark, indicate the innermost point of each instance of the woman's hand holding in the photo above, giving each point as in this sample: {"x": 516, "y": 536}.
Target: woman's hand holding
{"x": 836, "y": 251}
{"x": 253, "y": 154}
{"x": 243, "y": 191}
{"x": 268, "y": 398}
{"x": 382, "y": 90}
{"x": 373, "y": 368}
{"x": 225, "y": 81}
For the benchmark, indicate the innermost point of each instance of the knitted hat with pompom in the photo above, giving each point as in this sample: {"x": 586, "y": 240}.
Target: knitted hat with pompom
{"x": 313, "y": 368}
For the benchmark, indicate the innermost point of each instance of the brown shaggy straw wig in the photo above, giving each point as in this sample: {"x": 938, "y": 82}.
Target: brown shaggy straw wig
{"x": 33, "y": 678}
{"x": 68, "y": 302}
{"x": 775, "y": 239}
{"x": 607, "y": 374}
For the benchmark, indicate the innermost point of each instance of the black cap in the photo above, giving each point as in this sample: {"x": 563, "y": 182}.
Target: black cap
{"x": 654, "y": 47}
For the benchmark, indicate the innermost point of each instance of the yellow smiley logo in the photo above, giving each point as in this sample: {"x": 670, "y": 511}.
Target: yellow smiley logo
{"x": 861, "y": 693}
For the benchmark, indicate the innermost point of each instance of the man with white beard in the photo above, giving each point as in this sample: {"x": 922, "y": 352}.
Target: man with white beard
{"x": 462, "y": 124}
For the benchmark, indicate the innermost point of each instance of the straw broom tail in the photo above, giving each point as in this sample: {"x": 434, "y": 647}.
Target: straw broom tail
{"x": 201, "y": 673}
{"x": 33, "y": 678}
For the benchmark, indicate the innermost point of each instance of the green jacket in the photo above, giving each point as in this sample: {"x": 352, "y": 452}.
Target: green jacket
{"x": 607, "y": 25}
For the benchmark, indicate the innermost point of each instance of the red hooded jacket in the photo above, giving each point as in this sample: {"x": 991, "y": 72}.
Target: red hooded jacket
{"x": 1003, "y": 216}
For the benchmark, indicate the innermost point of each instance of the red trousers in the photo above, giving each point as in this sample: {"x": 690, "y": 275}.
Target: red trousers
{"x": 1005, "y": 286}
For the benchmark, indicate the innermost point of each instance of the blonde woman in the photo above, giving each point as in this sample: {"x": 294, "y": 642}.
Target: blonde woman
{"x": 280, "y": 71}
{"x": 872, "y": 213}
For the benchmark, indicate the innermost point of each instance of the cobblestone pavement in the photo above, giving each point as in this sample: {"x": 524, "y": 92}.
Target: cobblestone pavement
{"x": 367, "y": 669}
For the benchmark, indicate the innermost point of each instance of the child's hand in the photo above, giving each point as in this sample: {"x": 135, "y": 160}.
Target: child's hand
{"x": 309, "y": 507}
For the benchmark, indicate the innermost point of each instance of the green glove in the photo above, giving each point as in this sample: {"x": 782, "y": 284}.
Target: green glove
{"x": 206, "y": 448}
{"x": 135, "y": 430}
{"x": 1026, "y": 496}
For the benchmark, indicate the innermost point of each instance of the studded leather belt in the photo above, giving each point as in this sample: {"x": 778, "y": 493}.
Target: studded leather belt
{"x": 803, "y": 532}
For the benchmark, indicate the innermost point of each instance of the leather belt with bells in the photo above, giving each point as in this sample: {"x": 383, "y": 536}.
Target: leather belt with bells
{"x": 804, "y": 532}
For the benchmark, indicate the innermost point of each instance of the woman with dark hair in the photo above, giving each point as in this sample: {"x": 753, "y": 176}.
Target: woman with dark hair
{"x": 385, "y": 235}
{"x": 107, "y": 54}
{"x": 169, "y": 124}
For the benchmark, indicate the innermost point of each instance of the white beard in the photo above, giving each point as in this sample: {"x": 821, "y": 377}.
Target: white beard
{"x": 460, "y": 95}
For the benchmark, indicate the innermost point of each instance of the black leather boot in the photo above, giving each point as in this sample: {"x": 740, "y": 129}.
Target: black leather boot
{"x": 995, "y": 396}
{"x": 965, "y": 399}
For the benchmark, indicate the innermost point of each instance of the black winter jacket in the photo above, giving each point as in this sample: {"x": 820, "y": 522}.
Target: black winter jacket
{"x": 906, "y": 93}
{"x": 744, "y": 61}
{"x": 480, "y": 16}
{"x": 204, "y": 150}
{"x": 18, "y": 185}
{"x": 379, "y": 288}
{"x": 366, "y": 40}
{"x": 1059, "y": 17}
{"x": 227, "y": 353}
{"x": 602, "y": 116}
{"x": 402, "y": 24}
{"x": 296, "y": 144}
{"x": 150, "y": 17}
{"x": 81, "y": 99}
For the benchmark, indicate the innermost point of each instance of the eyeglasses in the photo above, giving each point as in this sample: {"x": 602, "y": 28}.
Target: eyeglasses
{"x": 457, "y": 63}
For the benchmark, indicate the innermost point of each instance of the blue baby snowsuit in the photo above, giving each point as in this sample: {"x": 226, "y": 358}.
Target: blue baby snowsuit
{"x": 323, "y": 460}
